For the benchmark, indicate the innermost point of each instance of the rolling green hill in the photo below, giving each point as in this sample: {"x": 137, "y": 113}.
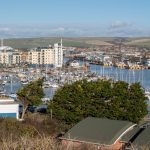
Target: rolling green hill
{"x": 36, "y": 42}
{"x": 84, "y": 42}
{"x": 139, "y": 42}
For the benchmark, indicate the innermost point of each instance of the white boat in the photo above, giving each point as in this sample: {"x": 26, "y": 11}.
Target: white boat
{"x": 4, "y": 82}
{"x": 45, "y": 86}
{"x": 45, "y": 99}
{"x": 24, "y": 82}
{"x": 13, "y": 95}
{"x": 2, "y": 92}
{"x": 54, "y": 85}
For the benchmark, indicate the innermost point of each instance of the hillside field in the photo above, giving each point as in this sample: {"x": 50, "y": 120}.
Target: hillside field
{"x": 36, "y": 42}
{"x": 25, "y": 43}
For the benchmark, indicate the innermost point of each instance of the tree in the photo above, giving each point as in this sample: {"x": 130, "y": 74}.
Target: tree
{"x": 128, "y": 103}
{"x": 117, "y": 105}
{"x": 136, "y": 104}
{"x": 114, "y": 100}
{"x": 31, "y": 94}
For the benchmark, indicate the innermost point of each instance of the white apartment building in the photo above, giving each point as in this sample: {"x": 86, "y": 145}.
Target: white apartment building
{"x": 58, "y": 54}
{"x": 8, "y": 56}
{"x": 16, "y": 58}
{"x": 5, "y": 57}
{"x": 41, "y": 56}
{"x": 47, "y": 55}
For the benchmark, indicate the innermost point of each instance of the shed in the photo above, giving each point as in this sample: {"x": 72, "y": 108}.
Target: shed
{"x": 9, "y": 108}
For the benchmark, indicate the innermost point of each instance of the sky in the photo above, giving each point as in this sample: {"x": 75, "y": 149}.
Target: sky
{"x": 73, "y": 18}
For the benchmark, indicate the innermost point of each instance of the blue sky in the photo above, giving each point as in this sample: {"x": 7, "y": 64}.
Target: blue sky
{"x": 22, "y": 18}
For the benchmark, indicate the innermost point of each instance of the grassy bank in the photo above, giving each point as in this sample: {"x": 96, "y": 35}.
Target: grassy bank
{"x": 37, "y": 132}
{"x": 34, "y": 131}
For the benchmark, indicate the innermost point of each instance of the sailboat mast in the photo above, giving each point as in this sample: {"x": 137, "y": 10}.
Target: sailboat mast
{"x": 46, "y": 72}
{"x": 11, "y": 84}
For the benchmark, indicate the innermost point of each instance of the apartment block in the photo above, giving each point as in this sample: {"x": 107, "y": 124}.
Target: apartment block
{"x": 9, "y": 56}
{"x": 47, "y": 55}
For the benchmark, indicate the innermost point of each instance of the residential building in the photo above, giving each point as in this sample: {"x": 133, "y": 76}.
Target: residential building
{"x": 47, "y": 55}
{"x": 16, "y": 58}
{"x": 9, "y": 56}
{"x": 6, "y": 58}
{"x": 42, "y": 55}
{"x": 58, "y": 54}
{"x": 24, "y": 57}
{"x": 73, "y": 63}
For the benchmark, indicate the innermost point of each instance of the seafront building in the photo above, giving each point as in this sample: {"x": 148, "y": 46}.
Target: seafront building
{"x": 16, "y": 58}
{"x": 51, "y": 55}
{"x": 42, "y": 55}
{"x": 24, "y": 56}
{"x": 58, "y": 54}
{"x": 9, "y": 56}
{"x": 47, "y": 55}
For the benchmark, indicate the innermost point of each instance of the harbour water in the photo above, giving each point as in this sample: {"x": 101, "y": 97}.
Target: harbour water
{"x": 130, "y": 76}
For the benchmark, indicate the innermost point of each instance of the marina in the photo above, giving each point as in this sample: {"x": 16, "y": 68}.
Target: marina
{"x": 55, "y": 78}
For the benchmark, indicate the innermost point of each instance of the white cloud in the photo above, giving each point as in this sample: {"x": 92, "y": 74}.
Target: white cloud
{"x": 5, "y": 29}
{"x": 117, "y": 28}
{"x": 61, "y": 29}
{"x": 125, "y": 29}
{"x": 120, "y": 24}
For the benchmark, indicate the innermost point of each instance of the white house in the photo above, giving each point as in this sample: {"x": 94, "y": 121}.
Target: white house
{"x": 9, "y": 108}
{"x": 74, "y": 63}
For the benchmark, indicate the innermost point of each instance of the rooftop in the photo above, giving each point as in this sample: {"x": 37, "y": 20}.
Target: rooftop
{"x": 142, "y": 139}
{"x": 5, "y": 48}
{"x": 98, "y": 131}
{"x": 4, "y": 99}
{"x": 138, "y": 137}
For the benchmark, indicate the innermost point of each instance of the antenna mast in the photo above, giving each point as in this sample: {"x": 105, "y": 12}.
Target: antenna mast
{"x": 2, "y": 43}
{"x": 61, "y": 42}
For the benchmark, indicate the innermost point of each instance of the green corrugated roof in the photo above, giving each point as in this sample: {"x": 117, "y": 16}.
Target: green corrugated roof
{"x": 129, "y": 135}
{"x": 97, "y": 130}
{"x": 143, "y": 139}
{"x": 138, "y": 137}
